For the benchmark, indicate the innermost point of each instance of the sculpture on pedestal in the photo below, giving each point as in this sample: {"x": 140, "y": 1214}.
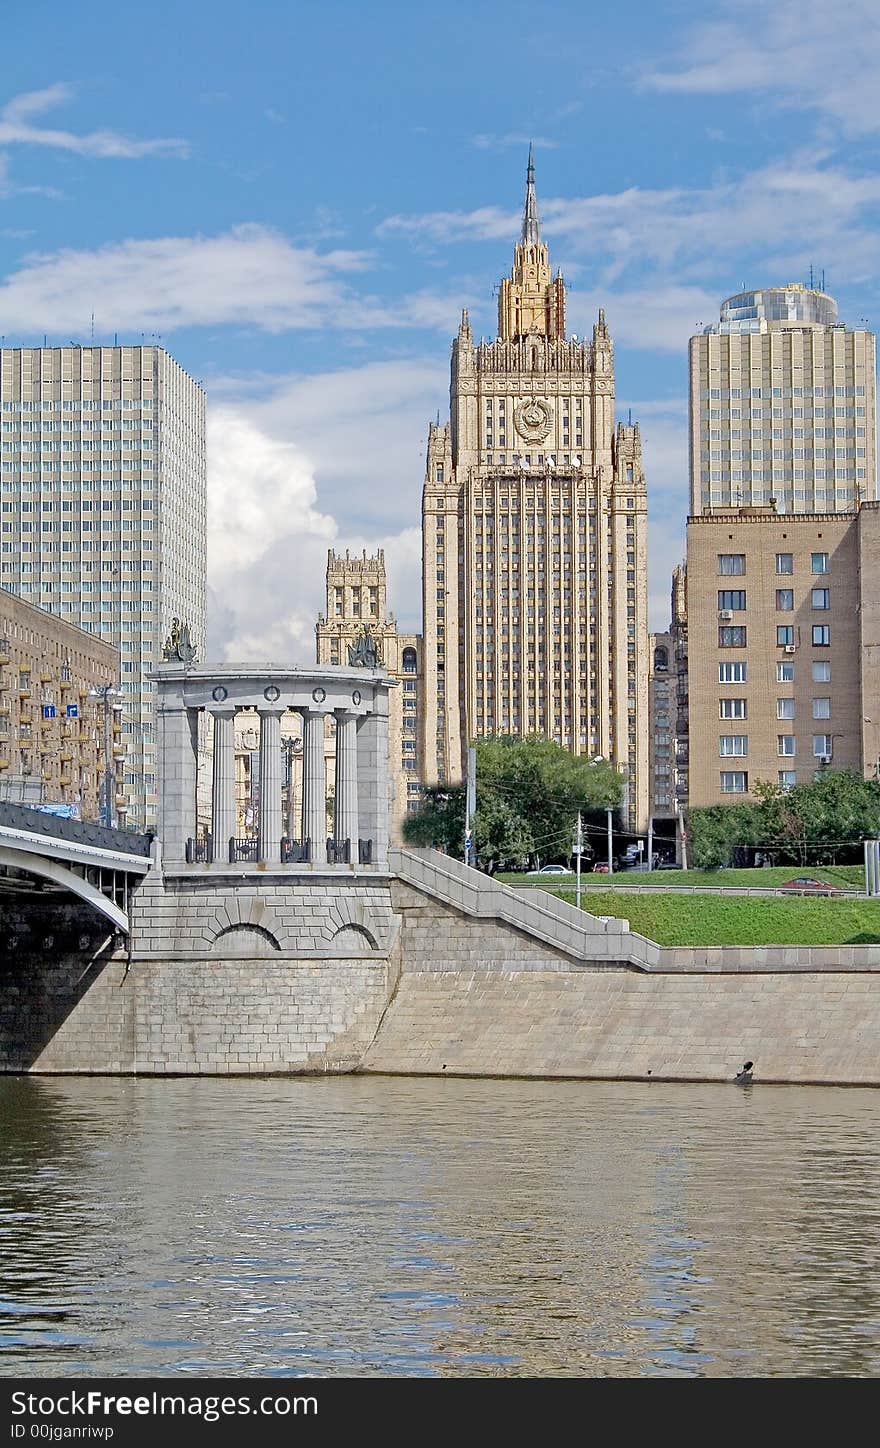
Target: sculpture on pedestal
{"x": 363, "y": 652}
{"x": 178, "y": 648}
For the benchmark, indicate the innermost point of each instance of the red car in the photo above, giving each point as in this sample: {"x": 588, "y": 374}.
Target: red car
{"x": 600, "y": 869}
{"x": 808, "y": 884}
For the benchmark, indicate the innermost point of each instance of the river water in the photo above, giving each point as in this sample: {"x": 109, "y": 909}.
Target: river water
{"x": 390, "y": 1226}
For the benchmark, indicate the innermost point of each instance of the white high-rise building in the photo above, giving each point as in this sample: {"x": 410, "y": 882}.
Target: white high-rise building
{"x": 782, "y": 406}
{"x": 103, "y": 511}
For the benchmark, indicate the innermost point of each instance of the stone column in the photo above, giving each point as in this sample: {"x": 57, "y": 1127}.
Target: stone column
{"x": 270, "y": 786}
{"x": 345, "y": 815}
{"x": 374, "y": 776}
{"x": 223, "y": 821}
{"x": 314, "y": 823}
{"x": 177, "y": 730}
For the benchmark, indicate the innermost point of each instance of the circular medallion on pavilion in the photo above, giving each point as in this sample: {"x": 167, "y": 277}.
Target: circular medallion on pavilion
{"x": 219, "y": 693}
{"x": 272, "y": 693}
{"x": 356, "y": 697}
{"x": 532, "y": 419}
{"x": 319, "y": 695}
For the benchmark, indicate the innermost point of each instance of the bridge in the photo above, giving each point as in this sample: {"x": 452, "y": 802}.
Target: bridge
{"x": 96, "y": 863}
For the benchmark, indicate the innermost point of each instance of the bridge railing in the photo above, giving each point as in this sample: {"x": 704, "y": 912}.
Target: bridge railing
{"x": 78, "y": 832}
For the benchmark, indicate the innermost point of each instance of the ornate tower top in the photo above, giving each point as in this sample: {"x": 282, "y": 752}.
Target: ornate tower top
{"x": 531, "y": 226}
{"x": 531, "y": 300}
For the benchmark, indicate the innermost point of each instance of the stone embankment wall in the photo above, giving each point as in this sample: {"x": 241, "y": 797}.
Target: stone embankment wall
{"x": 432, "y": 969}
{"x": 262, "y": 976}
{"x": 478, "y": 998}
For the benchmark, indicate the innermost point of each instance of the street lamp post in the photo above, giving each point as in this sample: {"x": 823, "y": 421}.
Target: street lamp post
{"x": 106, "y": 692}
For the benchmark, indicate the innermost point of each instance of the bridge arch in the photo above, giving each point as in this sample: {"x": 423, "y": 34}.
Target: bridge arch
{"x": 46, "y": 869}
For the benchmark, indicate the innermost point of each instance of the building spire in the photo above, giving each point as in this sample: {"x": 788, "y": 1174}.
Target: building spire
{"x": 531, "y": 226}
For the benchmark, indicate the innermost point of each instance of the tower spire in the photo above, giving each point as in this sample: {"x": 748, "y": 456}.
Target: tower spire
{"x": 531, "y": 226}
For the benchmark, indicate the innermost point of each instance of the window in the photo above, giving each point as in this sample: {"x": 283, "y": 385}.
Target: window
{"x": 784, "y": 600}
{"x": 785, "y": 744}
{"x": 784, "y": 635}
{"x": 732, "y": 708}
{"x": 785, "y": 563}
{"x": 731, "y": 563}
{"x": 785, "y": 708}
{"x": 820, "y": 598}
{"x": 785, "y": 673}
{"x": 822, "y": 745}
{"x": 732, "y": 673}
{"x": 732, "y": 598}
{"x": 821, "y": 708}
{"x": 821, "y": 635}
{"x": 822, "y": 672}
{"x": 818, "y": 562}
{"x": 787, "y": 778}
{"x": 734, "y": 781}
{"x": 733, "y": 745}
{"x": 732, "y": 636}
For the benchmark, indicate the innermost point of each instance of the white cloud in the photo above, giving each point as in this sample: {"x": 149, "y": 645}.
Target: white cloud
{"x": 803, "y": 53}
{"x": 363, "y": 430}
{"x": 774, "y": 208}
{"x": 17, "y": 128}
{"x": 660, "y": 316}
{"x": 249, "y": 276}
{"x": 306, "y": 464}
{"x": 502, "y": 143}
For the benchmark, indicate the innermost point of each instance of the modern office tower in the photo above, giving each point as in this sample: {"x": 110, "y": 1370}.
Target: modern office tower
{"x": 357, "y": 595}
{"x": 102, "y": 473}
{"x": 782, "y": 406}
{"x": 662, "y": 707}
{"x": 784, "y": 633}
{"x": 60, "y": 735}
{"x": 534, "y": 540}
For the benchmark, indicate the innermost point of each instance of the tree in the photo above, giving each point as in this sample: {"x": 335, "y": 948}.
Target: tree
{"x": 439, "y": 822}
{"x": 529, "y": 791}
{"x": 717, "y": 830}
{"x": 814, "y": 822}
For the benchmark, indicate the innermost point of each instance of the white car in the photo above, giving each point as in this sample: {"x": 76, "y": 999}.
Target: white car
{"x": 550, "y": 870}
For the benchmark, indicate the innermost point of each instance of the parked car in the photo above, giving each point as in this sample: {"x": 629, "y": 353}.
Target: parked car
{"x": 551, "y": 870}
{"x": 600, "y": 868}
{"x": 666, "y": 865}
{"x": 808, "y": 883}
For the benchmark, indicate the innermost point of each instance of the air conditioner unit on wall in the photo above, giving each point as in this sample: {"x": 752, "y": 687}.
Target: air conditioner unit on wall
{"x": 725, "y": 613}
{"x": 790, "y": 649}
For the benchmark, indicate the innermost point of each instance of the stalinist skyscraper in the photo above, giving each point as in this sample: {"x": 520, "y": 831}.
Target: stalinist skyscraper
{"x": 534, "y": 540}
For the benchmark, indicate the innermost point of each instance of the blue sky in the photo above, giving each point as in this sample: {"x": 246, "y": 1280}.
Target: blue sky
{"x": 299, "y": 198}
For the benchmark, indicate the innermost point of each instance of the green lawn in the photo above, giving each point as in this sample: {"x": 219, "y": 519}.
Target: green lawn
{"x": 741, "y": 920}
{"x": 846, "y": 877}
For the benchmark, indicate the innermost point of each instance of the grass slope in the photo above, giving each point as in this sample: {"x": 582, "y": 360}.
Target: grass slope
{"x": 741, "y": 920}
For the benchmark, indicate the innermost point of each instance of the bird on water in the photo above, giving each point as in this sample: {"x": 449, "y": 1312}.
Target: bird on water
{"x": 744, "y": 1077}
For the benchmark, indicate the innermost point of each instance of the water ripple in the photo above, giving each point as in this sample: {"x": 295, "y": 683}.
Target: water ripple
{"x": 437, "y": 1228}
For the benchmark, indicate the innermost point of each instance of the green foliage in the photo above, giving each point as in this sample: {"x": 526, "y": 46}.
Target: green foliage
{"x": 529, "y": 791}
{"x": 715, "y": 832}
{"x": 741, "y": 920}
{"x": 439, "y": 822}
{"x": 811, "y": 823}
